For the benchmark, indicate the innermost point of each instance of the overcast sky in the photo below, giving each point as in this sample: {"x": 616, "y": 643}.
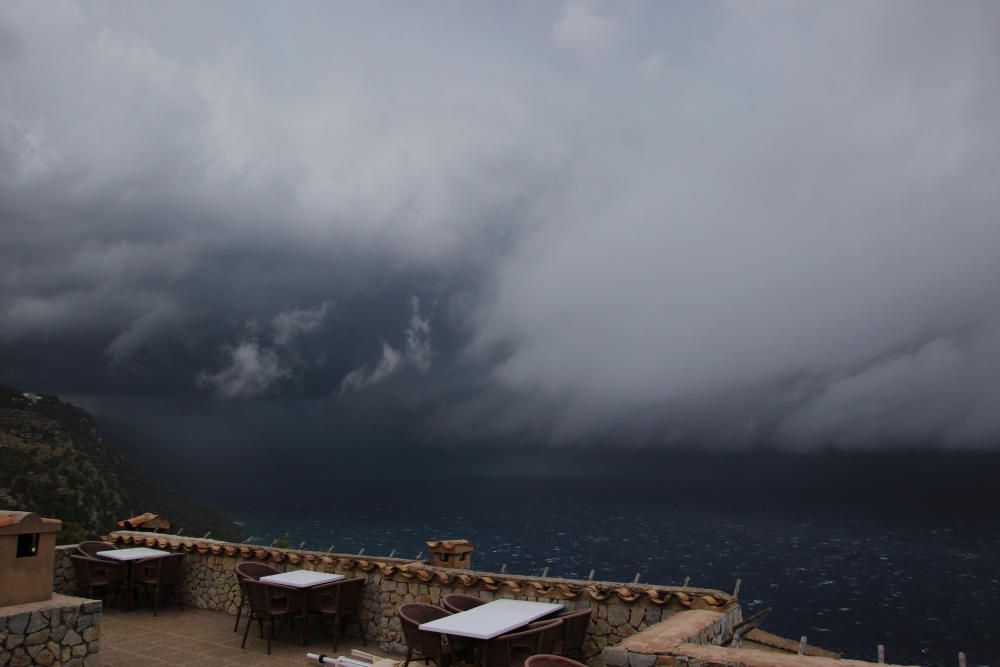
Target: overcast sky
{"x": 708, "y": 223}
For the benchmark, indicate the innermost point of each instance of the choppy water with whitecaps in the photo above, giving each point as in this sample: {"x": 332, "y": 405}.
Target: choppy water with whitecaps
{"x": 924, "y": 587}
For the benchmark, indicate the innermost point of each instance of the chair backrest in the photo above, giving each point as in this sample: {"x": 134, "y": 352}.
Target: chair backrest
{"x": 411, "y": 616}
{"x": 548, "y": 660}
{"x": 349, "y": 595}
{"x": 551, "y": 630}
{"x": 574, "y": 629}
{"x": 457, "y": 602}
{"x": 254, "y": 570}
{"x": 97, "y": 571}
{"x": 82, "y": 565}
{"x": 537, "y": 638}
{"x": 170, "y": 568}
{"x": 90, "y": 549}
{"x": 162, "y": 569}
{"x": 260, "y": 595}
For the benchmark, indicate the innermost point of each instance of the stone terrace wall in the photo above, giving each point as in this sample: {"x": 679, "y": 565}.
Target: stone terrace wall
{"x": 692, "y": 639}
{"x": 64, "y": 576}
{"x": 60, "y": 631}
{"x": 620, "y": 610}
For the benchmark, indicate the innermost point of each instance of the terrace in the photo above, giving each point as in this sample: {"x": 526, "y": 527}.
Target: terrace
{"x": 632, "y": 625}
{"x": 196, "y": 637}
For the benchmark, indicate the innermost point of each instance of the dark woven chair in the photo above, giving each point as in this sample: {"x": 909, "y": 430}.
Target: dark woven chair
{"x": 574, "y": 631}
{"x": 268, "y": 602}
{"x": 548, "y": 660}
{"x": 457, "y": 602}
{"x": 425, "y": 645}
{"x": 512, "y": 649}
{"x": 90, "y": 549}
{"x": 162, "y": 574}
{"x": 96, "y": 574}
{"x": 252, "y": 571}
{"x": 339, "y": 600}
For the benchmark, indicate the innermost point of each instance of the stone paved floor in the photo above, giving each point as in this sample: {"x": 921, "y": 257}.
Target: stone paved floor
{"x": 200, "y": 637}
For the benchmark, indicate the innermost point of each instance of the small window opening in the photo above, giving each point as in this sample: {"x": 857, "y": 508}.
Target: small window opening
{"x": 27, "y": 545}
{"x": 461, "y": 556}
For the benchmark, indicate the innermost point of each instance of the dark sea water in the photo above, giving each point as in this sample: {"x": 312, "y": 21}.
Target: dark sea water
{"x": 924, "y": 585}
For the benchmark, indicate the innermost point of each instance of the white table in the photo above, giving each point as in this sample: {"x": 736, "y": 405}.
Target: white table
{"x": 491, "y": 619}
{"x": 130, "y": 556}
{"x": 301, "y": 578}
{"x": 137, "y": 553}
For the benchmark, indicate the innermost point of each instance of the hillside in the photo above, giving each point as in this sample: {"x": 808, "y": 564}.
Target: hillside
{"x": 54, "y": 461}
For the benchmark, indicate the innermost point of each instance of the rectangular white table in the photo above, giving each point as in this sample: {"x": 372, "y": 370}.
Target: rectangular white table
{"x": 129, "y": 556}
{"x": 301, "y": 578}
{"x": 491, "y": 619}
{"x": 137, "y": 553}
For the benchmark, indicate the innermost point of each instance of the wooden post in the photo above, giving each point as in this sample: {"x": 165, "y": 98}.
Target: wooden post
{"x": 545, "y": 572}
{"x": 392, "y": 553}
{"x": 881, "y": 654}
{"x": 419, "y": 554}
{"x": 736, "y": 591}
{"x": 961, "y": 659}
{"x": 590, "y": 577}
{"x": 503, "y": 568}
{"x": 636, "y": 580}
{"x": 802, "y": 645}
{"x": 205, "y": 536}
{"x": 687, "y": 580}
{"x": 330, "y": 549}
{"x": 179, "y": 531}
{"x": 362, "y": 551}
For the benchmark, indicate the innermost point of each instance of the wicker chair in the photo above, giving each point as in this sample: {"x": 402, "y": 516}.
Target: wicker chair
{"x": 162, "y": 574}
{"x": 574, "y": 631}
{"x": 548, "y": 660}
{"x": 428, "y": 645}
{"x": 252, "y": 571}
{"x": 94, "y": 574}
{"x": 457, "y": 602}
{"x": 90, "y": 549}
{"x": 268, "y": 602}
{"x": 512, "y": 649}
{"x": 340, "y": 600}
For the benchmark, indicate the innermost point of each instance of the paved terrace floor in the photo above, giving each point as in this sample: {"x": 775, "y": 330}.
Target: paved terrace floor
{"x": 200, "y": 637}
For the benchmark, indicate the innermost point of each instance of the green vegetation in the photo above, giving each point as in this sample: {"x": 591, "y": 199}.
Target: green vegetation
{"x": 54, "y": 461}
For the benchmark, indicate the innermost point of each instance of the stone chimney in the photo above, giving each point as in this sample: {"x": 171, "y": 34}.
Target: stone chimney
{"x": 451, "y": 553}
{"x": 27, "y": 557}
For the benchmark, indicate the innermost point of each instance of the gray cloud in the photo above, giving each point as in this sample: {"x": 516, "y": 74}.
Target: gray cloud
{"x": 290, "y": 324}
{"x": 721, "y": 223}
{"x": 253, "y": 368}
{"x": 416, "y": 352}
{"x": 250, "y": 372}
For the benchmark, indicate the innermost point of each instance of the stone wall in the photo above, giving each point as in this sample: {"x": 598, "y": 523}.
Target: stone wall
{"x": 701, "y": 638}
{"x": 693, "y": 626}
{"x": 64, "y": 576}
{"x": 60, "y": 631}
{"x": 620, "y": 610}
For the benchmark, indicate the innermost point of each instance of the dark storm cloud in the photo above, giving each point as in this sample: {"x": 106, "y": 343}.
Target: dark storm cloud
{"x": 722, "y": 223}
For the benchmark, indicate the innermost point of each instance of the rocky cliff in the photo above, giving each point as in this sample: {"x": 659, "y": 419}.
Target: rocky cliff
{"x": 54, "y": 461}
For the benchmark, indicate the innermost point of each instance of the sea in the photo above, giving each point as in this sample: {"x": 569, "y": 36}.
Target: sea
{"x": 924, "y": 585}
